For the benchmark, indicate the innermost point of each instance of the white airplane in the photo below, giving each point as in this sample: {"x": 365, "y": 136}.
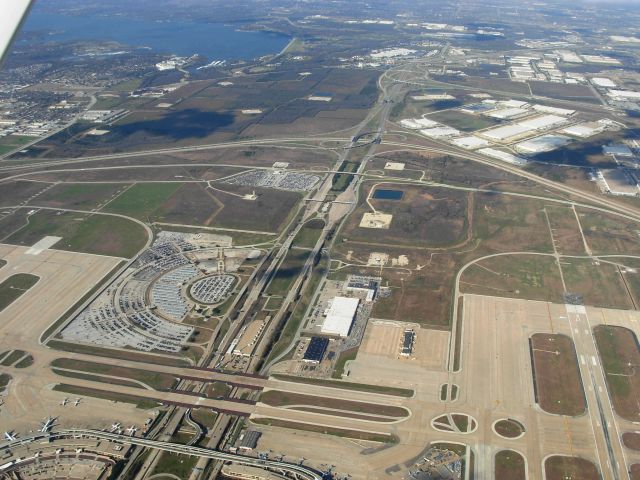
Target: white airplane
{"x": 131, "y": 430}
{"x": 9, "y": 436}
{"x": 47, "y": 424}
{"x": 64, "y": 402}
{"x": 77, "y": 402}
{"x": 115, "y": 426}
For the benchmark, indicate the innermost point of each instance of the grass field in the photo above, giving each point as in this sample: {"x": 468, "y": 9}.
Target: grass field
{"x": 557, "y": 380}
{"x": 12, "y": 357}
{"x": 509, "y": 465}
{"x": 288, "y": 332}
{"x": 175, "y": 464}
{"x": 618, "y": 348}
{"x": 345, "y": 356}
{"x": 600, "y": 285}
{"x": 608, "y": 234}
{"x": 360, "y": 387}
{"x": 342, "y": 180}
{"x": 278, "y": 398}
{"x": 309, "y": 233}
{"x": 5, "y": 378}
{"x": 140, "y": 402}
{"x": 287, "y": 272}
{"x": 509, "y": 428}
{"x": 561, "y": 468}
{"x": 631, "y": 440}
{"x": 157, "y": 381}
{"x": 533, "y": 277}
{"x": 106, "y": 352}
{"x": 11, "y": 142}
{"x": 462, "y": 121}
{"x": 78, "y": 196}
{"x": 142, "y": 199}
{"x": 566, "y": 231}
{"x": 338, "y": 432}
{"x": 14, "y": 287}
{"x": 98, "y": 234}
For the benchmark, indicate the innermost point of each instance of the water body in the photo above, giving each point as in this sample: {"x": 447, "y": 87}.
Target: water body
{"x": 215, "y": 41}
{"x": 383, "y": 194}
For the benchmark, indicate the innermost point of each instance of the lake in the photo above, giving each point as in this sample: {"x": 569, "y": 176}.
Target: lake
{"x": 383, "y": 194}
{"x": 215, "y": 41}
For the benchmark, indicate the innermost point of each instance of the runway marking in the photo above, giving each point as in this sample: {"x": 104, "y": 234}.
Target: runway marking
{"x": 582, "y": 361}
{"x": 594, "y": 361}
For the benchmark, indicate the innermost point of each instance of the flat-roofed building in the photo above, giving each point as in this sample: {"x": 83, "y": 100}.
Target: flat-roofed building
{"x": 407, "y": 343}
{"x": 340, "y": 316}
{"x": 316, "y": 349}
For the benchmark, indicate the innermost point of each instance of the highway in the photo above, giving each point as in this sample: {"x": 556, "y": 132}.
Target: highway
{"x": 300, "y": 471}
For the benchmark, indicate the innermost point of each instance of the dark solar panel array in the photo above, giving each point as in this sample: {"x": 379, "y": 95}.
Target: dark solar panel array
{"x": 316, "y": 349}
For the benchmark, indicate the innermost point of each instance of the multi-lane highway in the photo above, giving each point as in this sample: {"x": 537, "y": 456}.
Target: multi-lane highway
{"x": 302, "y": 472}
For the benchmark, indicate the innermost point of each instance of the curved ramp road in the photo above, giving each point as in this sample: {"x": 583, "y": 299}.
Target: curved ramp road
{"x": 302, "y": 472}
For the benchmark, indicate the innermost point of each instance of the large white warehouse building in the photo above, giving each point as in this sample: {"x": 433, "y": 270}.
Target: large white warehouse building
{"x": 340, "y": 316}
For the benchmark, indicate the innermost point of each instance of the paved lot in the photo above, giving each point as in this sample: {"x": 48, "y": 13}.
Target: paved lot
{"x": 64, "y": 278}
{"x": 495, "y": 382}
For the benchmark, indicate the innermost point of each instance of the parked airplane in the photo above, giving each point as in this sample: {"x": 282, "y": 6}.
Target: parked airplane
{"x": 64, "y": 402}
{"x": 77, "y": 402}
{"x": 115, "y": 426}
{"x": 131, "y": 430}
{"x": 47, "y": 424}
{"x": 9, "y": 436}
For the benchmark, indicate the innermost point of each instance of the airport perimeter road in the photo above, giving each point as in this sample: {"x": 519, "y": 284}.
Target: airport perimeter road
{"x": 300, "y": 471}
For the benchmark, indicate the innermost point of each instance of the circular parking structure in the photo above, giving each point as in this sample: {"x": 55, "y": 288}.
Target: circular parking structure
{"x": 213, "y": 289}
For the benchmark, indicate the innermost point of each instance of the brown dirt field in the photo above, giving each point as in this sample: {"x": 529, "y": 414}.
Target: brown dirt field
{"x": 191, "y": 204}
{"x": 561, "y": 467}
{"x": 509, "y": 428}
{"x": 557, "y": 379}
{"x": 344, "y": 414}
{"x": 509, "y": 465}
{"x": 373, "y": 437}
{"x": 277, "y": 398}
{"x": 634, "y": 471}
{"x": 618, "y": 347}
{"x": 631, "y": 440}
{"x": 268, "y": 213}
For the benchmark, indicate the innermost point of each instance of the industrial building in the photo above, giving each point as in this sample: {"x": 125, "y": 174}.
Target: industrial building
{"x": 363, "y": 284}
{"x": 544, "y": 143}
{"x": 339, "y": 316}
{"x": 407, "y": 343}
{"x": 316, "y": 349}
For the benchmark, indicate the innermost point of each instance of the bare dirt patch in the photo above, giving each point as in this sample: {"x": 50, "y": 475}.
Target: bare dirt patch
{"x": 618, "y": 349}
{"x": 561, "y": 467}
{"x": 509, "y": 465}
{"x": 557, "y": 379}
